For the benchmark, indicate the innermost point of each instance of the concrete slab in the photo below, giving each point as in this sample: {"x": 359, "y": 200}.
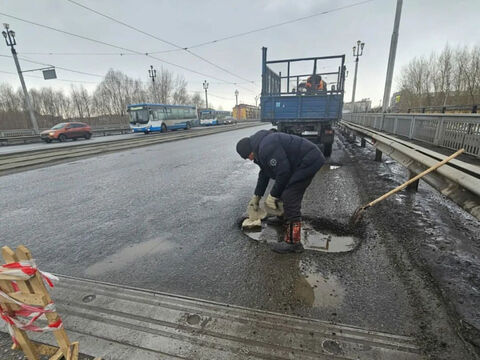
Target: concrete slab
{"x": 117, "y": 322}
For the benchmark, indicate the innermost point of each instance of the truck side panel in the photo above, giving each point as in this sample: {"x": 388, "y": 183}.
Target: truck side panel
{"x": 298, "y": 108}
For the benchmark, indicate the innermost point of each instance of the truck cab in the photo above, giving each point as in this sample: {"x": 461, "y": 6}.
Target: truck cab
{"x": 305, "y": 100}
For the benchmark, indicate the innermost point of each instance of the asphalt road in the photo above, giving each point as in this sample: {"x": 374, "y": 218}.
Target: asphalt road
{"x": 165, "y": 217}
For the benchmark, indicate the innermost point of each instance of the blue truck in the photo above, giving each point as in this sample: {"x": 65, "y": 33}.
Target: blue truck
{"x": 306, "y": 100}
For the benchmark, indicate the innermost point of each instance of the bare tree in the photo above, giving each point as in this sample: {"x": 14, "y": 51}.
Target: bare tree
{"x": 197, "y": 100}
{"x": 180, "y": 95}
{"x": 451, "y": 78}
{"x": 9, "y": 100}
{"x": 470, "y": 70}
{"x": 111, "y": 96}
{"x": 165, "y": 86}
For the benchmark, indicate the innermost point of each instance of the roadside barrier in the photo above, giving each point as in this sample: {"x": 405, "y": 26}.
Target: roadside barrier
{"x": 24, "y": 136}
{"x": 452, "y": 131}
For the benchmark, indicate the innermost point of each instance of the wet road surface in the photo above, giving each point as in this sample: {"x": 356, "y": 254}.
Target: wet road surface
{"x": 166, "y": 217}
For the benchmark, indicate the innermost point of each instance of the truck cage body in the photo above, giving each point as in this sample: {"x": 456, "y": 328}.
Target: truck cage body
{"x": 291, "y": 104}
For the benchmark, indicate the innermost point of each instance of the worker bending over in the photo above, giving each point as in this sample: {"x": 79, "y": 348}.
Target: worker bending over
{"x": 293, "y": 162}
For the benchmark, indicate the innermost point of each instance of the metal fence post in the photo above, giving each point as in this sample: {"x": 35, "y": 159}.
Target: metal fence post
{"x": 412, "y": 127}
{"x": 438, "y": 131}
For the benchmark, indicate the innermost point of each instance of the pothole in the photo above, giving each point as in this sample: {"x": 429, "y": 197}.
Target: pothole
{"x": 316, "y": 235}
{"x": 194, "y": 319}
{"x": 326, "y": 240}
{"x": 332, "y": 347}
{"x": 89, "y": 298}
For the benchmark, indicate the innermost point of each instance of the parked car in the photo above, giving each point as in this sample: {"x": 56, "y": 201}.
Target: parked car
{"x": 64, "y": 131}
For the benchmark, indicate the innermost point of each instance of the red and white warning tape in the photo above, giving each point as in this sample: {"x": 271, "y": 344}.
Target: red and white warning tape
{"x": 24, "y": 270}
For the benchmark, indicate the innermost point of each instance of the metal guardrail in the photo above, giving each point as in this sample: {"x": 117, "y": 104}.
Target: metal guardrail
{"x": 457, "y": 180}
{"x": 452, "y": 131}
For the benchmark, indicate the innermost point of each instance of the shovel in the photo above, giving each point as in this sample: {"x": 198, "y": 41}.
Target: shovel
{"x": 357, "y": 215}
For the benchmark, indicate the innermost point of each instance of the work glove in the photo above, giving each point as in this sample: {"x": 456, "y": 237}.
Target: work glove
{"x": 254, "y": 202}
{"x": 271, "y": 202}
{"x": 254, "y": 211}
{"x": 274, "y": 206}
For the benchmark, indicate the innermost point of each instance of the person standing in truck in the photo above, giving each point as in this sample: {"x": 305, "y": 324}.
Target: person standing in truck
{"x": 315, "y": 83}
{"x": 292, "y": 162}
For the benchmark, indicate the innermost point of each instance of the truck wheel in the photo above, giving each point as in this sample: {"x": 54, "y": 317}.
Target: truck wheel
{"x": 164, "y": 128}
{"x": 327, "y": 150}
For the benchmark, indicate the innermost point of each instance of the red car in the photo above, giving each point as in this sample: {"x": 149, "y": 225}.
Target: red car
{"x": 64, "y": 131}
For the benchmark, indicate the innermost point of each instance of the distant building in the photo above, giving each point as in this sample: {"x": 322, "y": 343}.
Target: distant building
{"x": 363, "y": 105}
{"x": 246, "y": 112}
{"x": 395, "y": 101}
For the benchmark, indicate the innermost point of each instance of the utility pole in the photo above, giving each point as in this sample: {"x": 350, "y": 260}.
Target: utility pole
{"x": 152, "y": 73}
{"x": 9, "y": 36}
{"x": 357, "y": 52}
{"x": 256, "y": 100}
{"x": 391, "y": 57}
{"x": 205, "y": 86}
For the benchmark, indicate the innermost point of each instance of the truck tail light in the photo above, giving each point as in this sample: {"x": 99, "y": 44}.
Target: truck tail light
{"x": 328, "y": 132}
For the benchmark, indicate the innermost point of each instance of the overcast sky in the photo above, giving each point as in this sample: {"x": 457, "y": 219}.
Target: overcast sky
{"x": 426, "y": 26}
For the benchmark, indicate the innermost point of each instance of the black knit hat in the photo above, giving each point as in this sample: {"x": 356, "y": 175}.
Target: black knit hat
{"x": 244, "y": 148}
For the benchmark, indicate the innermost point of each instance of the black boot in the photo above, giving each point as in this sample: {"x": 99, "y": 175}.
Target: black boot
{"x": 291, "y": 243}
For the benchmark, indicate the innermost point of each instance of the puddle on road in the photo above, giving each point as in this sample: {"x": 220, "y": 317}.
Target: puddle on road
{"x": 313, "y": 238}
{"x": 128, "y": 255}
{"x": 326, "y": 241}
{"x": 318, "y": 290}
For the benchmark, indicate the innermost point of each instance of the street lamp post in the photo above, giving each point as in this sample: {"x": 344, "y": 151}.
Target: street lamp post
{"x": 236, "y": 103}
{"x": 152, "y": 73}
{"x": 256, "y": 100}
{"x": 9, "y": 36}
{"x": 205, "y": 86}
{"x": 357, "y": 52}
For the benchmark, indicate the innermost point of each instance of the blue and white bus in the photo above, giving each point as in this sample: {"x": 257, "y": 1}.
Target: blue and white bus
{"x": 147, "y": 118}
{"x": 213, "y": 117}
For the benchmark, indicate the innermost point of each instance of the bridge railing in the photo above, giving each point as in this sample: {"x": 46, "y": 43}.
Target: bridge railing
{"x": 453, "y": 131}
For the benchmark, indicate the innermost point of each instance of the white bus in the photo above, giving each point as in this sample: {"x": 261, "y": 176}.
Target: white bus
{"x": 148, "y": 118}
{"x": 214, "y": 117}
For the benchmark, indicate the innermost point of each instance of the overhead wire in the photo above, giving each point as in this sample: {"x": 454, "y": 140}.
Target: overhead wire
{"x": 178, "y": 48}
{"x": 266, "y": 27}
{"x": 117, "y": 47}
{"x": 160, "y": 39}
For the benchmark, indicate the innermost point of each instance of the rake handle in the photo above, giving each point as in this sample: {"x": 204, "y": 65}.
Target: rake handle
{"x": 415, "y": 178}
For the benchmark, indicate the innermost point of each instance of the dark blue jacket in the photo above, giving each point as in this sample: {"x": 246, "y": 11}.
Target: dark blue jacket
{"x": 286, "y": 158}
